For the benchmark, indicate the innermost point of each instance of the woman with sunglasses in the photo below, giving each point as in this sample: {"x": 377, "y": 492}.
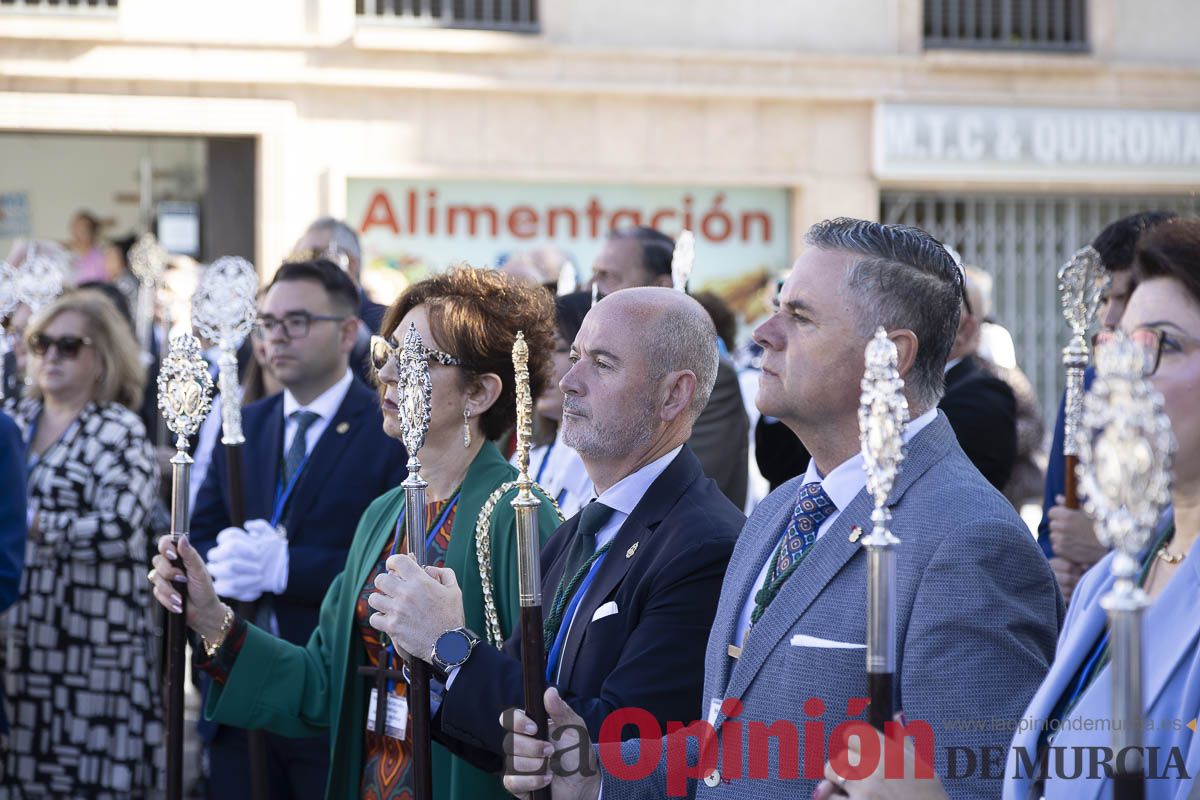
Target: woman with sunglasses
{"x": 79, "y": 666}
{"x": 468, "y": 320}
{"x": 1069, "y": 720}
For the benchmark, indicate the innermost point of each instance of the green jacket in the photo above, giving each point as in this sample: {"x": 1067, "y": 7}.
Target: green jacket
{"x": 304, "y": 691}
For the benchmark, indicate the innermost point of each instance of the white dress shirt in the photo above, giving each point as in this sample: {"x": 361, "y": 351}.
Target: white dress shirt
{"x": 325, "y": 406}
{"x": 842, "y": 484}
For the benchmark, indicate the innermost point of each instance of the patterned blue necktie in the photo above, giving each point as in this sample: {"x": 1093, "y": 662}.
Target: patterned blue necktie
{"x": 812, "y": 508}
{"x": 295, "y": 454}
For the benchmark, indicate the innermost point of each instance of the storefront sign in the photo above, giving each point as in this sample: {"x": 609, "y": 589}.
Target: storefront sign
{"x": 412, "y": 227}
{"x": 917, "y": 141}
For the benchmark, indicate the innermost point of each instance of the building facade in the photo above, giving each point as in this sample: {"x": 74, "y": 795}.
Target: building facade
{"x": 466, "y": 129}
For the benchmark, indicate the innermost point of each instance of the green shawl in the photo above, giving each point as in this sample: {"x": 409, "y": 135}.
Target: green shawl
{"x": 304, "y": 691}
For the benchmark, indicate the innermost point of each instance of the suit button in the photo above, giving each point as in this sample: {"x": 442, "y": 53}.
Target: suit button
{"x": 713, "y": 779}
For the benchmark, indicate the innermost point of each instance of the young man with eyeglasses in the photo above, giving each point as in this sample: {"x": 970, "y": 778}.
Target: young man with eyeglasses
{"x": 314, "y": 459}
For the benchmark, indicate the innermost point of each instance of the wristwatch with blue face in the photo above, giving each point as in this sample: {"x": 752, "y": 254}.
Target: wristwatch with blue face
{"x": 453, "y": 648}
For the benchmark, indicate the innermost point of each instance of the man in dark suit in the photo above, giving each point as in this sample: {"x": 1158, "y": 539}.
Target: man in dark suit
{"x": 647, "y": 555}
{"x": 641, "y": 256}
{"x": 314, "y": 459}
{"x": 981, "y": 407}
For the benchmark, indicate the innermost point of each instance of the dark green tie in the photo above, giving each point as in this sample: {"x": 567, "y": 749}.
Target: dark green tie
{"x": 579, "y": 559}
{"x": 594, "y": 515}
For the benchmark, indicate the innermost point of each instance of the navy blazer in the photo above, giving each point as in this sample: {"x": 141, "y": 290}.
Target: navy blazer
{"x": 12, "y": 523}
{"x": 353, "y": 463}
{"x": 663, "y": 571}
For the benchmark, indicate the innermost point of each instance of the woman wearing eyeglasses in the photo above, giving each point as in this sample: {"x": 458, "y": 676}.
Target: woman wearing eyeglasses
{"x": 83, "y": 705}
{"x": 1069, "y": 720}
{"x": 468, "y": 320}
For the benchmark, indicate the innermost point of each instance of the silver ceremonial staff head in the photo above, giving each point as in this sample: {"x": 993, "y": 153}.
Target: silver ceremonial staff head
{"x": 415, "y": 390}
{"x": 1081, "y": 284}
{"x": 683, "y": 259}
{"x": 223, "y": 307}
{"x": 882, "y": 413}
{"x": 1125, "y": 450}
{"x": 184, "y": 388}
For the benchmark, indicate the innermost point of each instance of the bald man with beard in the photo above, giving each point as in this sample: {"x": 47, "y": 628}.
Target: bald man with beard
{"x": 630, "y": 583}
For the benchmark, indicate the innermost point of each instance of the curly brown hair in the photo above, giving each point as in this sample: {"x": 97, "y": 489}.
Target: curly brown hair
{"x": 475, "y": 315}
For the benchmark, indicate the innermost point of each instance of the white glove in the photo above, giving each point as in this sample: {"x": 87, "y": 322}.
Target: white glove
{"x": 248, "y": 562}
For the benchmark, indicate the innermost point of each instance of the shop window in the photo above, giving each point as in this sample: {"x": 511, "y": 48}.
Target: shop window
{"x": 519, "y": 16}
{"x": 1055, "y": 25}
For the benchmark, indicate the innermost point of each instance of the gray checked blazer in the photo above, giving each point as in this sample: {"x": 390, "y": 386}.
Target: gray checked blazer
{"x": 978, "y": 616}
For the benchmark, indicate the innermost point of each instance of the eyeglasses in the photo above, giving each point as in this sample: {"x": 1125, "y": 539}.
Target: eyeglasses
{"x": 295, "y": 324}
{"x": 383, "y": 350}
{"x": 67, "y": 346}
{"x": 1152, "y": 340}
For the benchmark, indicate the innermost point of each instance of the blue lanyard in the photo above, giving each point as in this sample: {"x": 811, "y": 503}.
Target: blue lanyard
{"x": 389, "y": 652}
{"x": 282, "y": 495}
{"x": 561, "y": 639}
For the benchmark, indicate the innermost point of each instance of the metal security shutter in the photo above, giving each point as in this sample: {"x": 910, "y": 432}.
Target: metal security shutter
{"x": 1022, "y": 240}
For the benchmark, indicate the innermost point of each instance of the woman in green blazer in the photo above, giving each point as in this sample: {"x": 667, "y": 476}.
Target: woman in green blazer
{"x": 468, "y": 319}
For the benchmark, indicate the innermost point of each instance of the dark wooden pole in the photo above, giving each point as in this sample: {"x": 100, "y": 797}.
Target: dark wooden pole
{"x": 256, "y": 741}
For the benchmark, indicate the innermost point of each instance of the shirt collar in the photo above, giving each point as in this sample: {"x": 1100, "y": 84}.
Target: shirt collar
{"x": 951, "y": 364}
{"x": 849, "y": 478}
{"x": 624, "y": 495}
{"x": 325, "y": 405}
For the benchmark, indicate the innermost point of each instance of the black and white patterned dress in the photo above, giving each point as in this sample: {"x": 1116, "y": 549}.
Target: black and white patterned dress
{"x": 84, "y": 710}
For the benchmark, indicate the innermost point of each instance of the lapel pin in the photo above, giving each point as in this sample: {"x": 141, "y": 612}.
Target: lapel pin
{"x": 343, "y": 427}
{"x": 632, "y": 549}
{"x": 855, "y": 533}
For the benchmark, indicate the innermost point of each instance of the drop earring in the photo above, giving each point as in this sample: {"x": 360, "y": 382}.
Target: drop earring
{"x": 467, "y": 428}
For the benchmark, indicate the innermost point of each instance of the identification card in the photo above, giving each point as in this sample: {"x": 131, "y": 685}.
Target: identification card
{"x": 396, "y": 723}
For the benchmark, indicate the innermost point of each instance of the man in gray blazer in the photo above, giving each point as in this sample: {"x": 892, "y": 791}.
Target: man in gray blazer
{"x": 977, "y": 608}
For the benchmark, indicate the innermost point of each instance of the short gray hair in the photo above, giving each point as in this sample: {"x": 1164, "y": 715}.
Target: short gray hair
{"x": 342, "y": 235}
{"x": 902, "y": 278}
{"x": 684, "y": 338}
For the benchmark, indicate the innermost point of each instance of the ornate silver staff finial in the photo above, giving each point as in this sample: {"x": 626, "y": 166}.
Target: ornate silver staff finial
{"x": 223, "y": 311}
{"x": 568, "y": 279}
{"x": 1081, "y": 283}
{"x": 520, "y": 357}
{"x": 184, "y": 386}
{"x": 416, "y": 395}
{"x": 1125, "y": 449}
{"x": 881, "y": 418}
{"x": 8, "y": 289}
{"x": 39, "y": 279}
{"x": 682, "y": 261}
{"x": 147, "y": 262}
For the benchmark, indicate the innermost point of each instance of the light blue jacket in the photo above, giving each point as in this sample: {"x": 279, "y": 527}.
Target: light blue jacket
{"x": 1171, "y": 681}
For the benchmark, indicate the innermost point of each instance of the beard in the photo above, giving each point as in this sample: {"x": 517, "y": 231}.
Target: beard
{"x": 615, "y": 438}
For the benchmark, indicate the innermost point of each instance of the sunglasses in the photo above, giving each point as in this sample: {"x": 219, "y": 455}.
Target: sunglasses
{"x": 67, "y": 346}
{"x": 383, "y": 350}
